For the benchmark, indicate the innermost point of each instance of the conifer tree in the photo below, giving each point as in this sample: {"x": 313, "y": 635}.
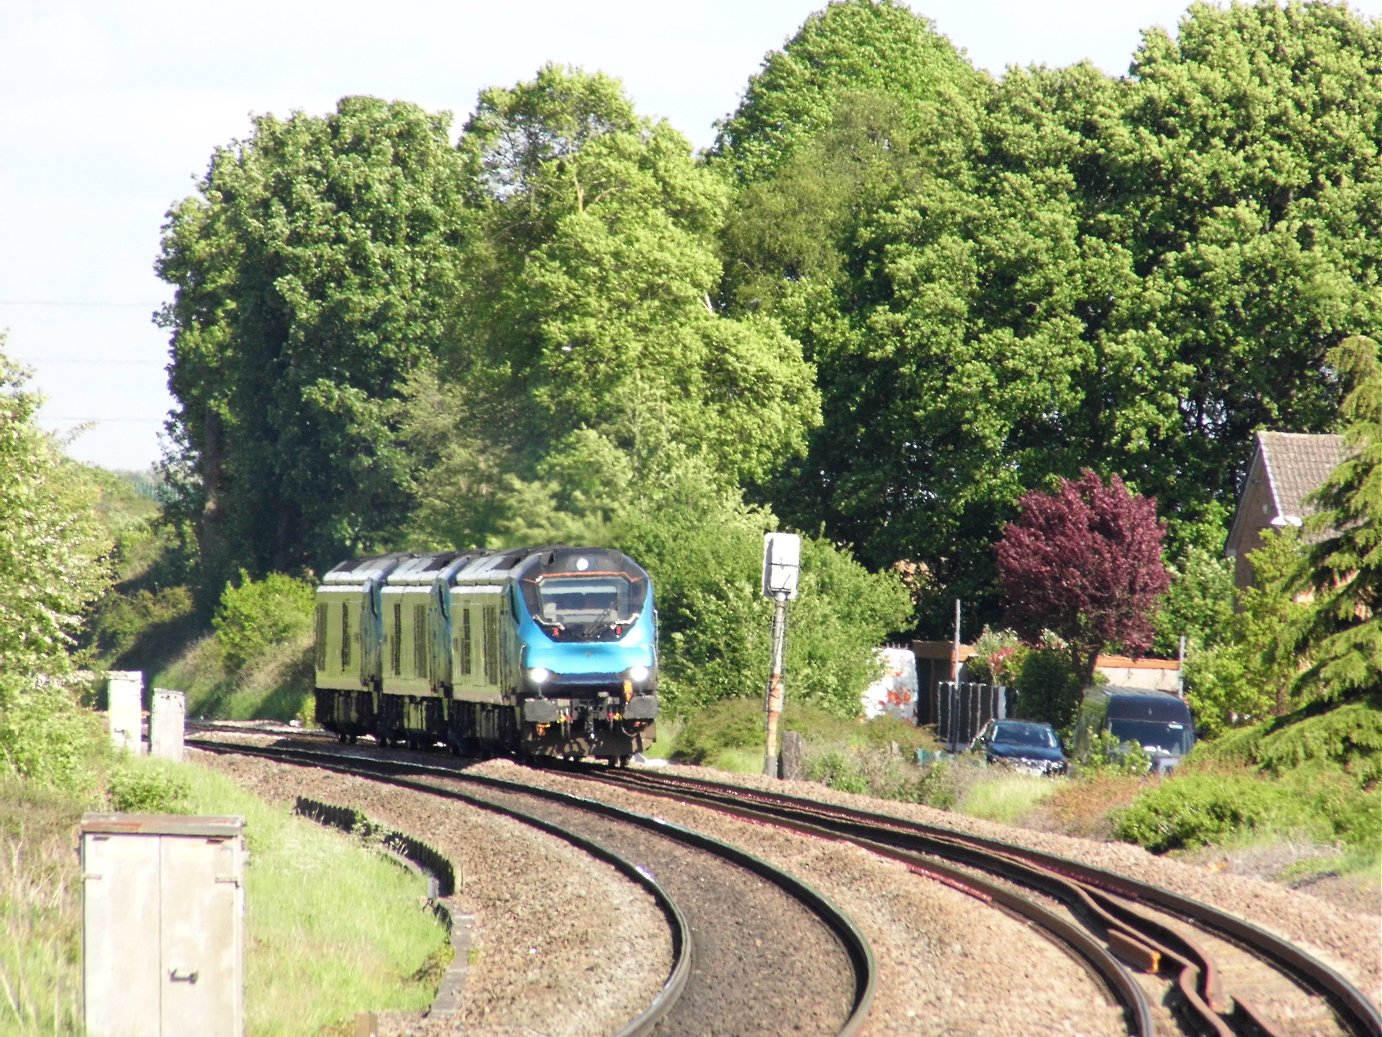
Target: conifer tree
{"x": 1344, "y": 566}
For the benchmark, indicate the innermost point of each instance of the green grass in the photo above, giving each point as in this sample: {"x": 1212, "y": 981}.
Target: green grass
{"x": 739, "y": 761}
{"x": 1006, "y": 797}
{"x": 335, "y": 929}
{"x": 332, "y": 928}
{"x": 40, "y": 911}
{"x": 275, "y": 686}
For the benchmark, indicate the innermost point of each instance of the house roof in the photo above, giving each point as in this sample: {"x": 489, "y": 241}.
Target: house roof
{"x": 1296, "y": 463}
{"x": 1290, "y": 465}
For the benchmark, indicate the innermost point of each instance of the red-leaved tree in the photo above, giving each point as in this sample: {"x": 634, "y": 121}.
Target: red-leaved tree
{"x": 1085, "y": 563}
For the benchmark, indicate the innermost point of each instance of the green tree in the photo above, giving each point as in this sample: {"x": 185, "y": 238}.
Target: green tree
{"x": 313, "y": 273}
{"x": 52, "y": 567}
{"x": 974, "y": 315}
{"x": 1255, "y": 217}
{"x": 857, "y": 46}
{"x": 587, "y": 322}
{"x": 1344, "y": 565}
{"x": 1198, "y": 605}
{"x": 1246, "y": 676}
{"x": 1125, "y": 274}
{"x": 704, "y": 547}
{"x": 52, "y": 548}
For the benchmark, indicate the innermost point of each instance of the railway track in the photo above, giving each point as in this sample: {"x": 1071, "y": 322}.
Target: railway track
{"x": 1170, "y": 964}
{"x": 1154, "y": 931}
{"x": 755, "y": 949}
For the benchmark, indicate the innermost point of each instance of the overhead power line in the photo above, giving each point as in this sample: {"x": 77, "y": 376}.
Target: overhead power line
{"x": 123, "y": 421}
{"x": 90, "y": 360}
{"x": 59, "y": 302}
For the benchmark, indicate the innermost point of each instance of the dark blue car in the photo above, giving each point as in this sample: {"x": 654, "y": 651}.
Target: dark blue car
{"x": 1023, "y": 744}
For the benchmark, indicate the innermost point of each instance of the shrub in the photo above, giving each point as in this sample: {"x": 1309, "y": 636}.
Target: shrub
{"x": 838, "y": 769}
{"x": 1107, "y": 755}
{"x": 887, "y": 774}
{"x": 731, "y": 724}
{"x": 996, "y": 653}
{"x": 1204, "y": 807}
{"x": 1048, "y": 689}
{"x": 146, "y": 786}
{"x": 46, "y": 735}
{"x": 1196, "y": 811}
{"x": 257, "y": 615}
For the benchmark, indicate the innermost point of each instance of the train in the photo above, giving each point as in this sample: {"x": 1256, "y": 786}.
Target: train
{"x": 543, "y": 652}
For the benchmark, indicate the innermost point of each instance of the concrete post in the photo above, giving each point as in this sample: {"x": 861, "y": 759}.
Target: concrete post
{"x": 125, "y": 693}
{"x": 166, "y": 723}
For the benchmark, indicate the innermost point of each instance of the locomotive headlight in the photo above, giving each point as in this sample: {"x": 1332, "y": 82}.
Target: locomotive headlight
{"x": 638, "y": 674}
{"x": 539, "y": 675}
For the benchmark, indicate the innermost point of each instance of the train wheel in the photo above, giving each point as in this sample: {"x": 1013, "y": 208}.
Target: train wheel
{"x": 340, "y": 737}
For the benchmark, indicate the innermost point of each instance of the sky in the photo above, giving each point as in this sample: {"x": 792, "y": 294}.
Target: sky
{"x": 109, "y": 113}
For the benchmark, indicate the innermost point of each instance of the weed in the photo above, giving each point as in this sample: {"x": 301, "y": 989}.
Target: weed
{"x": 40, "y": 910}
{"x": 1082, "y": 807}
{"x": 1006, "y": 797}
{"x": 141, "y": 785}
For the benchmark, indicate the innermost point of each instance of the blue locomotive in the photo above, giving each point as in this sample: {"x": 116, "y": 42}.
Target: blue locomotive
{"x": 548, "y": 652}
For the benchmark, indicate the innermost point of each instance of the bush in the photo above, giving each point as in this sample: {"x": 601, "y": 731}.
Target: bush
{"x": 728, "y": 725}
{"x": 996, "y": 652}
{"x": 875, "y": 757}
{"x": 145, "y": 786}
{"x": 258, "y": 615}
{"x": 47, "y": 736}
{"x": 1210, "y": 807}
{"x": 1107, "y": 755}
{"x": 1196, "y": 811}
{"x": 1048, "y": 689}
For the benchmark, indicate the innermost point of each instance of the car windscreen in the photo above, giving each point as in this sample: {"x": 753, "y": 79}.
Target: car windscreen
{"x": 1025, "y": 734}
{"x": 1169, "y": 736}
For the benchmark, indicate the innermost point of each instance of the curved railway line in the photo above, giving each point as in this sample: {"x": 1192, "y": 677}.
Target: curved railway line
{"x": 1113, "y": 906}
{"x": 810, "y": 970}
{"x": 1169, "y": 963}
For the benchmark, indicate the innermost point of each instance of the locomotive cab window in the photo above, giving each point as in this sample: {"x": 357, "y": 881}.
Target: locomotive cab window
{"x": 587, "y": 603}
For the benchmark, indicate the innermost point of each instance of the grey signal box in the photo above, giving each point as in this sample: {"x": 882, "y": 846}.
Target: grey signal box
{"x": 163, "y": 925}
{"x": 781, "y": 564}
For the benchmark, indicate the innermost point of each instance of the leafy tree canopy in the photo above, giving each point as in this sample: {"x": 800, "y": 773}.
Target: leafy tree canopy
{"x": 856, "y": 46}
{"x": 1085, "y": 563}
{"x": 312, "y": 274}
{"x": 588, "y": 292}
{"x": 52, "y": 567}
{"x": 1247, "y": 675}
{"x": 1055, "y": 271}
{"x": 52, "y": 548}
{"x": 1258, "y": 132}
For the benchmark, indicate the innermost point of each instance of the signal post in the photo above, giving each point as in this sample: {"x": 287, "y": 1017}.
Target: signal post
{"x": 781, "y": 567}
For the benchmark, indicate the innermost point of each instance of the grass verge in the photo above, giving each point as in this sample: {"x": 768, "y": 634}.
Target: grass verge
{"x": 333, "y": 928}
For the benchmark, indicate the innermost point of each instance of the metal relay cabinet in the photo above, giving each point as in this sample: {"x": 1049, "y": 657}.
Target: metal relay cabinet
{"x": 163, "y": 925}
